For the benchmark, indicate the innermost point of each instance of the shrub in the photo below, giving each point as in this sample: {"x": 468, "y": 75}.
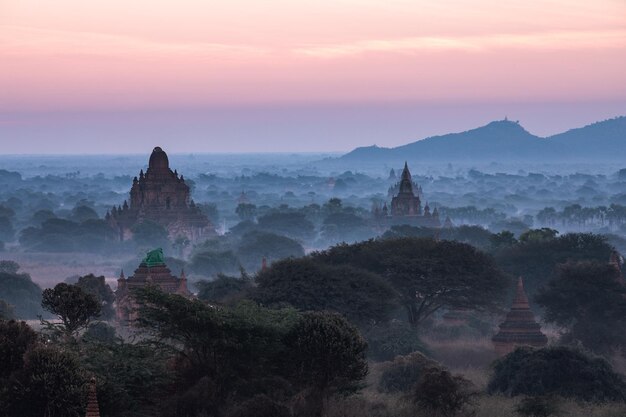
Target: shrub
{"x": 403, "y": 373}
{"x": 539, "y": 406}
{"x": 441, "y": 392}
{"x": 387, "y": 340}
{"x": 260, "y": 406}
{"x": 559, "y": 371}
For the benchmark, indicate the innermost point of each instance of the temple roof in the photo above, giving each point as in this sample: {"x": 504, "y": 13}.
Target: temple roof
{"x": 159, "y": 161}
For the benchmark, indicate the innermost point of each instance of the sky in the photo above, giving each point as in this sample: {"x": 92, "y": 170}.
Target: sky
{"x": 121, "y": 76}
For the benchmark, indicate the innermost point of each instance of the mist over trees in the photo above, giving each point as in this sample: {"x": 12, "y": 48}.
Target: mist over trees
{"x": 307, "y": 300}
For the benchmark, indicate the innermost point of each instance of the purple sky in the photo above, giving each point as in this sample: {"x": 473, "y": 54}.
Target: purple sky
{"x": 281, "y": 128}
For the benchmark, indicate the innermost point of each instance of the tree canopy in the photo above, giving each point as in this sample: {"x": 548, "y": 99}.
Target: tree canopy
{"x": 73, "y": 306}
{"x": 588, "y": 301}
{"x": 308, "y": 284}
{"x": 426, "y": 274}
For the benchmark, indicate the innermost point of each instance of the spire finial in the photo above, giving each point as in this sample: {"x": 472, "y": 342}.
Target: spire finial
{"x": 521, "y": 300}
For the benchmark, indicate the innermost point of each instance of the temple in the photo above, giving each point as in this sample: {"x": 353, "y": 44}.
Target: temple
{"x": 520, "y": 327}
{"x": 161, "y": 196}
{"x": 406, "y": 204}
{"x": 151, "y": 271}
{"x": 93, "y": 410}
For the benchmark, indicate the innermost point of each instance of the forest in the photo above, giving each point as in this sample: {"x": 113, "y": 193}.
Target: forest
{"x": 304, "y": 303}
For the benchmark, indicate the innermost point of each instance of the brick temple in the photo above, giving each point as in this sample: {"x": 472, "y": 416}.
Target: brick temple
{"x": 519, "y": 328}
{"x": 151, "y": 271}
{"x": 161, "y": 196}
{"x": 406, "y": 205}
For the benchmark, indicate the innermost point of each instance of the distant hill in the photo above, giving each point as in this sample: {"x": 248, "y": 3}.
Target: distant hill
{"x": 507, "y": 140}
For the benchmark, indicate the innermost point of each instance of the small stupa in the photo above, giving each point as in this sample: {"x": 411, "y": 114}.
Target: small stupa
{"x": 93, "y": 410}
{"x": 520, "y": 327}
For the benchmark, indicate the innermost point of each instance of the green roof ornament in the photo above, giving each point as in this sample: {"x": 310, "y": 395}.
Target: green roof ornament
{"x": 154, "y": 258}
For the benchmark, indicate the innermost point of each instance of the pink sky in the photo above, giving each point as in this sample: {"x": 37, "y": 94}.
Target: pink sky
{"x": 115, "y": 63}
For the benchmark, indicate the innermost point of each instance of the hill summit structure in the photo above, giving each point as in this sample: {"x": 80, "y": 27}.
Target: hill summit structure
{"x": 161, "y": 196}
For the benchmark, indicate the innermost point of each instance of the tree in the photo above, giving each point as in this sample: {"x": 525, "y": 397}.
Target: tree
{"x": 210, "y": 263}
{"x": 334, "y": 205}
{"x": 503, "y": 239}
{"x": 223, "y": 289}
{"x": 246, "y": 211}
{"x": 9, "y": 267}
{"x": 149, "y": 234}
{"x": 440, "y": 391}
{"x": 132, "y": 377}
{"x": 6, "y": 311}
{"x": 255, "y": 246}
{"x": 41, "y": 216}
{"x": 558, "y": 371}
{"x": 218, "y": 351}
{"x": 326, "y": 354}
{"x": 18, "y": 290}
{"x": 73, "y": 306}
{"x": 427, "y": 275}
{"x": 536, "y": 260}
{"x": 16, "y": 338}
{"x": 83, "y": 213}
{"x": 588, "y": 300}
{"x": 308, "y": 284}
{"x": 98, "y": 287}
{"x": 403, "y": 373}
{"x": 290, "y": 224}
{"x": 543, "y": 234}
{"x": 7, "y": 232}
{"x": 538, "y": 406}
{"x": 56, "y": 385}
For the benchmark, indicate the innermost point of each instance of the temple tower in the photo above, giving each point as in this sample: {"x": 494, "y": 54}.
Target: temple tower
{"x": 519, "y": 328}
{"x": 406, "y": 203}
{"x": 93, "y": 410}
{"x": 162, "y": 196}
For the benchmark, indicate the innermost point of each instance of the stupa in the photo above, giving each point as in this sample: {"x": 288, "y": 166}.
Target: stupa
{"x": 520, "y": 327}
{"x": 93, "y": 410}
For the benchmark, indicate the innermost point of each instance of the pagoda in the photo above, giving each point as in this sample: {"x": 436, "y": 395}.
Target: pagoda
{"x": 161, "y": 196}
{"x": 520, "y": 327}
{"x": 406, "y": 204}
{"x": 152, "y": 271}
{"x": 93, "y": 410}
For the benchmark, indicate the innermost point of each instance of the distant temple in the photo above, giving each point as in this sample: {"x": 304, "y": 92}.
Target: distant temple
{"x": 162, "y": 196}
{"x": 151, "y": 271}
{"x": 406, "y": 204}
{"x": 520, "y": 327}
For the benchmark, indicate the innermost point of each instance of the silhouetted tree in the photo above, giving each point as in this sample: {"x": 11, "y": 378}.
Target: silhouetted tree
{"x": 325, "y": 354}
{"x": 589, "y": 302}
{"x": 73, "y": 306}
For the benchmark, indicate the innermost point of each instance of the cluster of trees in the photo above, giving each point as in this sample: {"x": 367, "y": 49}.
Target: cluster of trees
{"x": 282, "y": 342}
{"x": 237, "y": 361}
{"x": 575, "y": 215}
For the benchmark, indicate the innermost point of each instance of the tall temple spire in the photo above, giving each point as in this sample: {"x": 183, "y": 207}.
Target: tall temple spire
{"x": 406, "y": 183}
{"x": 519, "y": 328}
{"x": 93, "y": 410}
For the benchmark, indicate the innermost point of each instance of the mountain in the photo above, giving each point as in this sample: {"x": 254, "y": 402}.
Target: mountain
{"x": 509, "y": 141}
